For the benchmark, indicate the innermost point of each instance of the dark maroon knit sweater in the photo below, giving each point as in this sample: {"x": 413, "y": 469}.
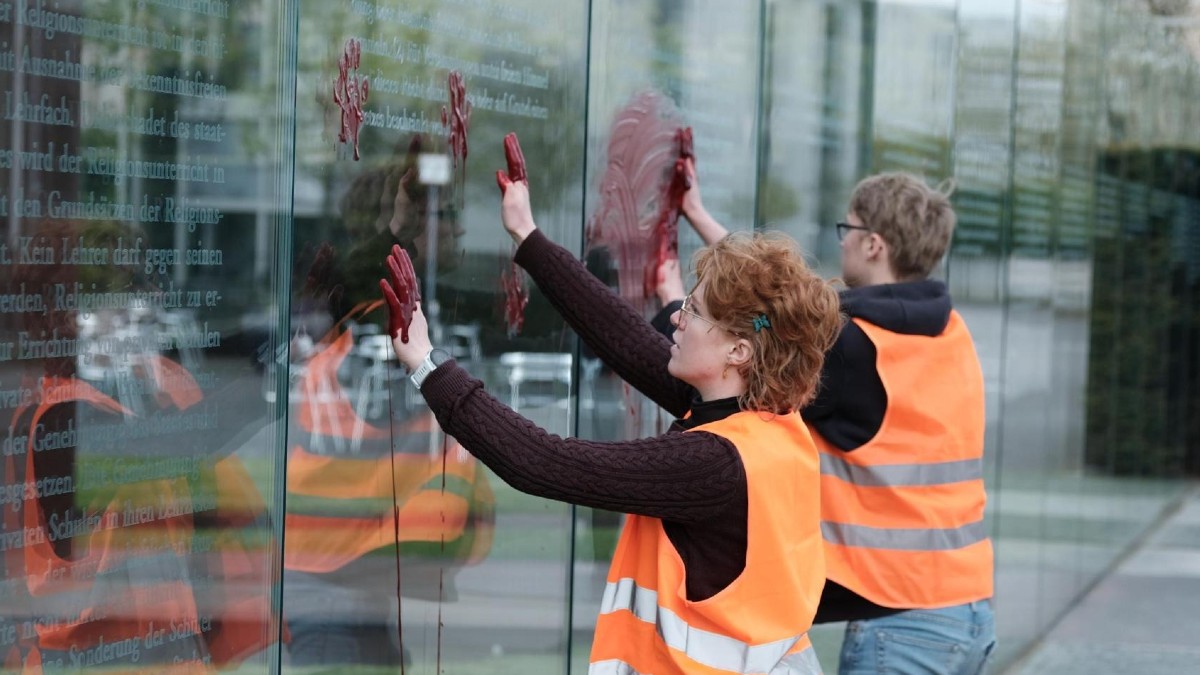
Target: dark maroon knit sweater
{"x": 694, "y": 482}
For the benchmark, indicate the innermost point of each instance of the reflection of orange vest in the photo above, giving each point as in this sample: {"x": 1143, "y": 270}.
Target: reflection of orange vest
{"x": 757, "y": 624}
{"x": 902, "y": 515}
{"x": 342, "y": 473}
{"x": 130, "y": 579}
{"x": 133, "y": 580}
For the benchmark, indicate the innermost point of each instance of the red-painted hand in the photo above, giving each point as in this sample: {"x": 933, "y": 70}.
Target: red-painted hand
{"x": 402, "y": 293}
{"x": 515, "y": 211}
{"x": 673, "y": 200}
{"x": 516, "y": 164}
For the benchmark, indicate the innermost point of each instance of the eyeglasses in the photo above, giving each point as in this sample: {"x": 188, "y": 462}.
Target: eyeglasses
{"x": 843, "y": 228}
{"x": 686, "y": 311}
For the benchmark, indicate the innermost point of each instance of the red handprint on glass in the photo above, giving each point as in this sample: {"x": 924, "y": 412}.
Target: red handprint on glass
{"x": 350, "y": 93}
{"x": 457, "y": 118}
{"x": 516, "y": 297}
{"x": 402, "y": 293}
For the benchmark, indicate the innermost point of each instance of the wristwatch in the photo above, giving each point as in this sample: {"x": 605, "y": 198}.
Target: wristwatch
{"x": 433, "y": 359}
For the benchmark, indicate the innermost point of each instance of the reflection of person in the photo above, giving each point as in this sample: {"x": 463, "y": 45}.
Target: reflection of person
{"x": 129, "y": 535}
{"x": 366, "y": 474}
{"x": 900, "y": 421}
{"x": 719, "y": 565}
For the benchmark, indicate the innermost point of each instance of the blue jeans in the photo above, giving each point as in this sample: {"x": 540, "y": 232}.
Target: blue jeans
{"x": 950, "y": 641}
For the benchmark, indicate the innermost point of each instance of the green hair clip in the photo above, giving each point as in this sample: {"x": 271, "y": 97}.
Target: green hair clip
{"x": 761, "y": 322}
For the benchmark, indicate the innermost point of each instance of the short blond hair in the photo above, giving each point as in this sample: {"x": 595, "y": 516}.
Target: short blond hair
{"x": 759, "y": 287}
{"x": 915, "y": 220}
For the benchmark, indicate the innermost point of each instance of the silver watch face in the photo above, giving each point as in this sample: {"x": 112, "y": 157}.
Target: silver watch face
{"x": 438, "y": 357}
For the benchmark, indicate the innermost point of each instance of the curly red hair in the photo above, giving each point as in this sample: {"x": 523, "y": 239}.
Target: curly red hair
{"x": 752, "y": 279}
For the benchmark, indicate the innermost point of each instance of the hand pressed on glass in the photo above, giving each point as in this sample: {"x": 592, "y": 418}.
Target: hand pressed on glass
{"x": 402, "y": 294}
{"x": 516, "y": 163}
{"x": 515, "y": 212}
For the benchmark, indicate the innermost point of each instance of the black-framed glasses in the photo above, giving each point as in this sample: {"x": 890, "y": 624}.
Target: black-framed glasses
{"x": 843, "y": 228}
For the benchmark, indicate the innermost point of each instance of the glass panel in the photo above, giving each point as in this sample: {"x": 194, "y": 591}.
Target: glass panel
{"x": 400, "y": 546}
{"x": 656, "y": 66}
{"x": 813, "y": 98}
{"x": 141, "y": 196}
{"x": 977, "y": 270}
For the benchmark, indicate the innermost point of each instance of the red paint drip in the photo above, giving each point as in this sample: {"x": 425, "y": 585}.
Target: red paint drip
{"x": 457, "y": 118}
{"x": 350, "y": 93}
{"x": 516, "y": 297}
{"x": 645, "y": 142}
{"x": 401, "y": 292}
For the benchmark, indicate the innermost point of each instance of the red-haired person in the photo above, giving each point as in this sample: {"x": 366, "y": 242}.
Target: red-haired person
{"x": 899, "y": 421}
{"x": 719, "y": 565}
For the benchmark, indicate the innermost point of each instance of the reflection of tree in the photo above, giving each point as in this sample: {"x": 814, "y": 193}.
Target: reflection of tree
{"x": 1143, "y": 383}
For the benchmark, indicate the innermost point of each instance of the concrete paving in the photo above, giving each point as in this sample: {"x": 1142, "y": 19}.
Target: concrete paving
{"x": 1141, "y": 618}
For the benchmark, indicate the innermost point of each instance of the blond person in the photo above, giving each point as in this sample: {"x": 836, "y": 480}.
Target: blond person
{"x": 719, "y": 565}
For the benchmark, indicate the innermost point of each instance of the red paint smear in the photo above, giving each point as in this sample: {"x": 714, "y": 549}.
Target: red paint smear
{"x": 516, "y": 297}
{"x": 457, "y": 119}
{"x": 350, "y": 93}
{"x": 633, "y": 220}
{"x": 401, "y": 292}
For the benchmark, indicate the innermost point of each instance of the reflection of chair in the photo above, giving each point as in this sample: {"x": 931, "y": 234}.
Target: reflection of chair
{"x": 373, "y": 387}
{"x": 523, "y": 367}
{"x": 462, "y": 341}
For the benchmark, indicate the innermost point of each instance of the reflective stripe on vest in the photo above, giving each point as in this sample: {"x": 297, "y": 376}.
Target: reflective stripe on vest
{"x": 904, "y": 540}
{"x": 902, "y": 475}
{"x": 705, "y": 647}
{"x": 800, "y": 663}
{"x": 907, "y": 507}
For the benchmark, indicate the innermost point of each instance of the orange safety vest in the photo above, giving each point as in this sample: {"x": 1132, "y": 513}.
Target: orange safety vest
{"x": 902, "y": 516}
{"x": 342, "y": 473}
{"x": 131, "y": 589}
{"x": 757, "y": 624}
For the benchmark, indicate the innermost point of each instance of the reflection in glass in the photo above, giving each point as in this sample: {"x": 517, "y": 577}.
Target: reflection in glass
{"x": 400, "y": 547}
{"x": 138, "y": 448}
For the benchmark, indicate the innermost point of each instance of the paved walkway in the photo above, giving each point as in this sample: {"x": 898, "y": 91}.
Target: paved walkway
{"x": 1142, "y": 618}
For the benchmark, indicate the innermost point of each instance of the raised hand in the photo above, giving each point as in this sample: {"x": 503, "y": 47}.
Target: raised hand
{"x": 670, "y": 282}
{"x": 515, "y": 211}
{"x": 692, "y": 205}
{"x": 516, "y": 164}
{"x": 402, "y": 293}
{"x": 666, "y": 229}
